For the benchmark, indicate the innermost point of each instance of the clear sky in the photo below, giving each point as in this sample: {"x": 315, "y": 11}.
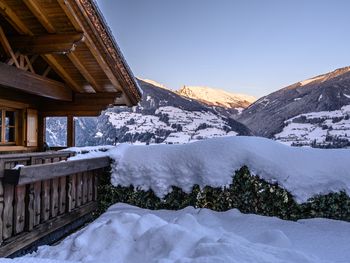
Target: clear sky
{"x": 247, "y": 46}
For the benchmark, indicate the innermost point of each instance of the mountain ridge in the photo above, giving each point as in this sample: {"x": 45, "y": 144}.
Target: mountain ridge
{"x": 326, "y": 92}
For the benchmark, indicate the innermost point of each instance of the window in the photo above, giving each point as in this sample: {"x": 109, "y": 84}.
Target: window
{"x": 56, "y": 131}
{"x": 8, "y": 126}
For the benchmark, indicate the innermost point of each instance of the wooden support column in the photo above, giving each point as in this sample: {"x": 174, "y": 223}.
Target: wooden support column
{"x": 70, "y": 131}
{"x": 41, "y": 131}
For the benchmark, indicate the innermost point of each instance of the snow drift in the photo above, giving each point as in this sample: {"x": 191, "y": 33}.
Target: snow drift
{"x": 132, "y": 235}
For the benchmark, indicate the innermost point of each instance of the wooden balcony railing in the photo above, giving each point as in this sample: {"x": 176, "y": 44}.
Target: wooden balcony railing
{"x": 44, "y": 195}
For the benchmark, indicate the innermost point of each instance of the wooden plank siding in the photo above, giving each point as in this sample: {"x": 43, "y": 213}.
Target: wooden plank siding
{"x": 45, "y": 203}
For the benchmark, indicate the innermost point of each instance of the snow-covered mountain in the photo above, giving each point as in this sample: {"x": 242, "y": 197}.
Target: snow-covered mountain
{"x": 292, "y": 114}
{"x": 218, "y": 98}
{"x": 162, "y": 116}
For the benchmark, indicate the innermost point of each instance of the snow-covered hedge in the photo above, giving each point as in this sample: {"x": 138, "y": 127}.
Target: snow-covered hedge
{"x": 248, "y": 193}
{"x": 253, "y": 174}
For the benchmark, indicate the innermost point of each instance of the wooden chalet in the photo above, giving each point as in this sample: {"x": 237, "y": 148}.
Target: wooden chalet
{"x": 57, "y": 58}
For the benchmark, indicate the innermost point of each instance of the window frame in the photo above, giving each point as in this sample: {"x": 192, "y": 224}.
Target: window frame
{"x": 3, "y": 126}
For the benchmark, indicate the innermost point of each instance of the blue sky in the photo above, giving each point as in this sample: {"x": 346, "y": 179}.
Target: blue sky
{"x": 247, "y": 46}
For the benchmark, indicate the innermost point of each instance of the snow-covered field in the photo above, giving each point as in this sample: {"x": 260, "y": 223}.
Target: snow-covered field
{"x": 126, "y": 234}
{"x": 317, "y": 128}
{"x": 304, "y": 172}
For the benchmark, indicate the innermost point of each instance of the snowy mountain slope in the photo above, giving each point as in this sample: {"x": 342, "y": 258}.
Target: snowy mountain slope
{"x": 154, "y": 83}
{"x": 327, "y": 92}
{"x": 328, "y": 129}
{"x": 162, "y": 117}
{"x": 217, "y": 97}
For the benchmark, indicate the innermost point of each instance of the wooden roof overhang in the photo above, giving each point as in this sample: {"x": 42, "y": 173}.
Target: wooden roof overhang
{"x": 63, "y": 54}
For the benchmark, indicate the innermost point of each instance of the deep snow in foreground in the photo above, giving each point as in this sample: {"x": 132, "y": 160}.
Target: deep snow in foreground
{"x": 304, "y": 172}
{"x": 127, "y": 234}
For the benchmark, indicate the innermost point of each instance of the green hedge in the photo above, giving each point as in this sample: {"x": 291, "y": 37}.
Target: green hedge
{"x": 248, "y": 193}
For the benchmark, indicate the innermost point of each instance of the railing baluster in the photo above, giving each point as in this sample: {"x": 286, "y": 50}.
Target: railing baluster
{"x": 90, "y": 185}
{"x": 62, "y": 194}
{"x": 8, "y": 211}
{"x": 19, "y": 209}
{"x": 37, "y": 203}
{"x": 79, "y": 190}
{"x": 85, "y": 187}
{"x": 30, "y": 213}
{"x": 54, "y": 197}
{"x": 45, "y": 201}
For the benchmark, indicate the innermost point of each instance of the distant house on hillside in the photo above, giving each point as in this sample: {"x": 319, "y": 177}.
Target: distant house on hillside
{"x": 57, "y": 58}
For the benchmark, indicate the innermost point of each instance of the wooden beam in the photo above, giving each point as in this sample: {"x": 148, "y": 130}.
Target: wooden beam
{"x": 47, "y": 44}
{"x": 13, "y": 19}
{"x": 47, "y": 70}
{"x": 33, "y": 84}
{"x": 51, "y": 60}
{"x": 29, "y": 64}
{"x": 40, "y": 15}
{"x": 83, "y": 71}
{"x": 35, "y": 173}
{"x": 70, "y": 131}
{"x": 84, "y": 104}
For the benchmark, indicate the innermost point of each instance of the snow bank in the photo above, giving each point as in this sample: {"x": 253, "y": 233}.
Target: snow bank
{"x": 305, "y": 172}
{"x": 132, "y": 235}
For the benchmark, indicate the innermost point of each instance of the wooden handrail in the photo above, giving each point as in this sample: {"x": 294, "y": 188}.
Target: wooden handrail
{"x": 34, "y": 173}
{"x": 30, "y": 159}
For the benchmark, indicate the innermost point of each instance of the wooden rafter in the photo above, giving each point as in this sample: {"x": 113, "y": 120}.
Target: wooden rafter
{"x": 51, "y": 60}
{"x": 40, "y": 15}
{"x": 79, "y": 65}
{"x": 50, "y": 44}
{"x": 69, "y": 11}
{"x": 7, "y": 47}
{"x": 47, "y": 44}
{"x": 60, "y": 44}
{"x": 13, "y": 19}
